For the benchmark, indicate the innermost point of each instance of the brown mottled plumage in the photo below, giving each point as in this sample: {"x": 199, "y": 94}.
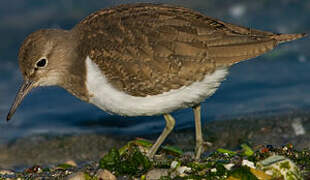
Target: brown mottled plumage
{"x": 130, "y": 59}
{"x": 147, "y": 49}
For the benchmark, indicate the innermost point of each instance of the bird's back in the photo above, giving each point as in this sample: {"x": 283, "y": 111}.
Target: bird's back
{"x": 148, "y": 49}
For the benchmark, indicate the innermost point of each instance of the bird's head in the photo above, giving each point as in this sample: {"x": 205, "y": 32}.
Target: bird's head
{"x": 42, "y": 61}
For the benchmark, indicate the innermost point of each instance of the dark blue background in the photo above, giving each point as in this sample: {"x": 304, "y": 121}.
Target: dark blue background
{"x": 275, "y": 82}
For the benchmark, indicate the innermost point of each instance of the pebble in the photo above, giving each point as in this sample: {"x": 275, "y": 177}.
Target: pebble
{"x": 183, "y": 170}
{"x": 280, "y": 167}
{"x": 174, "y": 164}
{"x": 71, "y": 163}
{"x": 229, "y": 166}
{"x": 248, "y": 163}
{"x": 214, "y": 170}
{"x": 77, "y": 176}
{"x": 104, "y": 174}
{"x": 6, "y": 172}
{"x": 156, "y": 174}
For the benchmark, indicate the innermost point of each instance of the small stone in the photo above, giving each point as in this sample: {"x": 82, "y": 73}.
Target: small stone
{"x": 6, "y": 172}
{"x": 77, "y": 176}
{"x": 174, "y": 164}
{"x": 280, "y": 167}
{"x": 260, "y": 174}
{"x": 248, "y": 163}
{"x": 71, "y": 163}
{"x": 182, "y": 170}
{"x": 67, "y": 172}
{"x": 264, "y": 150}
{"x": 35, "y": 169}
{"x": 213, "y": 170}
{"x": 229, "y": 166}
{"x": 271, "y": 160}
{"x": 104, "y": 174}
{"x": 156, "y": 174}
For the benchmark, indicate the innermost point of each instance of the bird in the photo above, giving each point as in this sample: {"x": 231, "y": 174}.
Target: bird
{"x": 141, "y": 59}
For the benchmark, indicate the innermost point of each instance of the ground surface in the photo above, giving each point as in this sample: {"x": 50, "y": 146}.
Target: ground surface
{"x": 48, "y": 151}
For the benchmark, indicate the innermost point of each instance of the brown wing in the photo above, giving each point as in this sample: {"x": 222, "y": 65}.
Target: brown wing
{"x": 147, "y": 49}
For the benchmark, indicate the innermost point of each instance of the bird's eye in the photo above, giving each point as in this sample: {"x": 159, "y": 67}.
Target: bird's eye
{"x": 41, "y": 62}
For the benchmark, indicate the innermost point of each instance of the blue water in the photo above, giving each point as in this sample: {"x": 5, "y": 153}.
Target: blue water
{"x": 275, "y": 82}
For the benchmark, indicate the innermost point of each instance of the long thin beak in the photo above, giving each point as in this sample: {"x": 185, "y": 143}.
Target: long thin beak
{"x": 23, "y": 91}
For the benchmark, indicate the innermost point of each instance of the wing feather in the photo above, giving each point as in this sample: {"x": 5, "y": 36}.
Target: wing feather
{"x": 148, "y": 49}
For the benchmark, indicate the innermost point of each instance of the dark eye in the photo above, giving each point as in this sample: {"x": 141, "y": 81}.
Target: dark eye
{"x": 41, "y": 62}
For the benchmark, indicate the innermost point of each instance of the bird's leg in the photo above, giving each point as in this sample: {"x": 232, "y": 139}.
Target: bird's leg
{"x": 170, "y": 122}
{"x": 199, "y": 139}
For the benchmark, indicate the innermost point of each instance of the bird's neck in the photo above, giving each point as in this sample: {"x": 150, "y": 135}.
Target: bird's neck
{"x": 75, "y": 73}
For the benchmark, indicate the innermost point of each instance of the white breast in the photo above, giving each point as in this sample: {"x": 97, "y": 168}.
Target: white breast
{"x": 109, "y": 99}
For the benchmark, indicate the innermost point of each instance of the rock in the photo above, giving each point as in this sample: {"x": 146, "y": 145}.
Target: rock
{"x": 34, "y": 169}
{"x": 229, "y": 166}
{"x": 77, "y": 176}
{"x": 280, "y": 167}
{"x": 248, "y": 163}
{"x": 6, "y": 172}
{"x": 156, "y": 174}
{"x": 175, "y": 164}
{"x": 71, "y": 163}
{"x": 214, "y": 170}
{"x": 104, "y": 174}
{"x": 182, "y": 170}
{"x": 260, "y": 174}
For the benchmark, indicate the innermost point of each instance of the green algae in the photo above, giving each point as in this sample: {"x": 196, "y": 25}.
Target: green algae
{"x": 111, "y": 161}
{"x": 88, "y": 177}
{"x": 243, "y": 172}
{"x": 285, "y": 165}
{"x": 221, "y": 150}
{"x": 64, "y": 166}
{"x": 247, "y": 151}
{"x": 131, "y": 162}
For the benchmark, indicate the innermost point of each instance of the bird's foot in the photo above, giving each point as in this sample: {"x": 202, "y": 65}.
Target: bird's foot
{"x": 200, "y": 148}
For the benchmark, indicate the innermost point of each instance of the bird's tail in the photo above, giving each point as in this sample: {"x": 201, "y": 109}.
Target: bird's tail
{"x": 245, "y": 47}
{"x": 281, "y": 38}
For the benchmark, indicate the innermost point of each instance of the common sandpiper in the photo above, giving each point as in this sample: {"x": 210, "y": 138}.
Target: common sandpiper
{"x": 141, "y": 60}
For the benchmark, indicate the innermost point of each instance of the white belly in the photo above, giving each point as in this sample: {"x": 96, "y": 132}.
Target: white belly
{"x": 109, "y": 99}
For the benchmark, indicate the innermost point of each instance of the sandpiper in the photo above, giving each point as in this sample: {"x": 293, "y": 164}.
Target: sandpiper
{"x": 141, "y": 59}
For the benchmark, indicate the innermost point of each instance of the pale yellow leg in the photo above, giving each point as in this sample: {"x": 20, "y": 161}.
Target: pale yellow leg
{"x": 170, "y": 122}
{"x": 199, "y": 139}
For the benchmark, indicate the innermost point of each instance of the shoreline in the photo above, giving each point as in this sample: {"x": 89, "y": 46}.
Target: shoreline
{"x": 49, "y": 150}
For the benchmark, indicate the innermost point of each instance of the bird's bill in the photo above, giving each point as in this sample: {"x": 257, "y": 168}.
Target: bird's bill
{"x": 23, "y": 91}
